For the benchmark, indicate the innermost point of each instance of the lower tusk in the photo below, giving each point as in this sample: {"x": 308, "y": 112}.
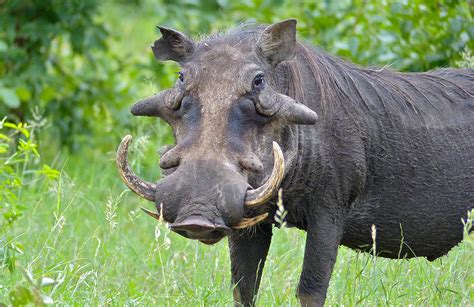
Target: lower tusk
{"x": 263, "y": 194}
{"x": 248, "y": 222}
{"x": 154, "y": 215}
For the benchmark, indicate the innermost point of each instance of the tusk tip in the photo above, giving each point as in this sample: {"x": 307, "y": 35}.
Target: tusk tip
{"x": 277, "y": 149}
{"x": 151, "y": 213}
{"x": 125, "y": 143}
{"x": 276, "y": 146}
{"x": 127, "y": 139}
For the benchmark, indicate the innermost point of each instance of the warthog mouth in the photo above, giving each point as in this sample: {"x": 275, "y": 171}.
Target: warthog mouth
{"x": 197, "y": 228}
{"x": 253, "y": 197}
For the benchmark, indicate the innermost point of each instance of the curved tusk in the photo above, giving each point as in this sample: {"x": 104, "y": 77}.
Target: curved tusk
{"x": 248, "y": 222}
{"x": 263, "y": 194}
{"x": 154, "y": 215}
{"x": 143, "y": 188}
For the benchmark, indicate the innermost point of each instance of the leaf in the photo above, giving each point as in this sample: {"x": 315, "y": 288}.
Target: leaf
{"x": 4, "y": 137}
{"x": 25, "y": 132}
{"x": 10, "y": 125}
{"x": 49, "y": 172}
{"x": 23, "y": 93}
{"x": 9, "y": 97}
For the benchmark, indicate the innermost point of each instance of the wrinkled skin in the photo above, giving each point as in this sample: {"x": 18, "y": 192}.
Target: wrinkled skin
{"x": 391, "y": 150}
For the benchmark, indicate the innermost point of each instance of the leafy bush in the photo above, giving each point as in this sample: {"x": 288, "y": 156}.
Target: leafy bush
{"x": 18, "y": 167}
{"x": 55, "y": 61}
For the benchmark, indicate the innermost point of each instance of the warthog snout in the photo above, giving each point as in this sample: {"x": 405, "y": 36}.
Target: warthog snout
{"x": 204, "y": 205}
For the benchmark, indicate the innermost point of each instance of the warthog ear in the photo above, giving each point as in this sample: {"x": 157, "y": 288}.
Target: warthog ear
{"x": 278, "y": 42}
{"x": 173, "y": 45}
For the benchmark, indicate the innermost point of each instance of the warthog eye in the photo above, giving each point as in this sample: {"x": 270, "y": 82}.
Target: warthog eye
{"x": 181, "y": 77}
{"x": 258, "y": 82}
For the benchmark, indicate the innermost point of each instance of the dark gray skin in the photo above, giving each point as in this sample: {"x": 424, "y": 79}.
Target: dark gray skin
{"x": 390, "y": 149}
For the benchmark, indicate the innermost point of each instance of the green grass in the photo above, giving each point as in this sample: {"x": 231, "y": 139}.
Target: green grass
{"x": 104, "y": 250}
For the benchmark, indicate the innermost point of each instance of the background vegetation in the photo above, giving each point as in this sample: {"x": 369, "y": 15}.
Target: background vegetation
{"x": 69, "y": 71}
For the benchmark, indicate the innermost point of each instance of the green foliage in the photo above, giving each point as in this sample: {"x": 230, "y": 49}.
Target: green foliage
{"x": 18, "y": 166}
{"x": 55, "y": 61}
{"x": 409, "y": 35}
{"x": 13, "y": 160}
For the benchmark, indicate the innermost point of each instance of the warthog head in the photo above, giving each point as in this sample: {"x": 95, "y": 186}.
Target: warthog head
{"x": 227, "y": 114}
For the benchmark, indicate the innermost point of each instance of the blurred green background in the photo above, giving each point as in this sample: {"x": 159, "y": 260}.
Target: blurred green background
{"x": 69, "y": 72}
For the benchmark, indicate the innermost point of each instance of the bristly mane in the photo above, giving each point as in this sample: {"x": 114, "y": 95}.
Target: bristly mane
{"x": 429, "y": 97}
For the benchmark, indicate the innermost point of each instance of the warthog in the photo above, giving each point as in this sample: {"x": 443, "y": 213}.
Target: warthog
{"x": 389, "y": 149}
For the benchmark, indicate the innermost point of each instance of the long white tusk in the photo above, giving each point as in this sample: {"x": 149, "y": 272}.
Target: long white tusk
{"x": 263, "y": 194}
